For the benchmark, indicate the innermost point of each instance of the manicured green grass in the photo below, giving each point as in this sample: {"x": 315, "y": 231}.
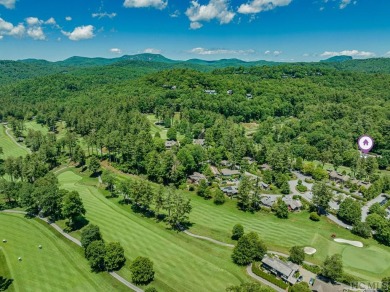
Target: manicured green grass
{"x": 156, "y": 128}
{"x": 33, "y": 125}
{"x": 9, "y": 147}
{"x": 181, "y": 263}
{"x": 4, "y": 271}
{"x": 58, "y": 266}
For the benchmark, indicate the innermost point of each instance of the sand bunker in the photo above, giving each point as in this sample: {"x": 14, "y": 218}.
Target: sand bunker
{"x": 354, "y": 243}
{"x": 309, "y": 250}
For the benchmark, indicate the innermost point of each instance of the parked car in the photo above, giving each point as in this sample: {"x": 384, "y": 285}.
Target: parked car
{"x": 311, "y": 281}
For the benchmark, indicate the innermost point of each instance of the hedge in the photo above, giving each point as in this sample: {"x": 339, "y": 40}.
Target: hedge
{"x": 312, "y": 268}
{"x": 268, "y": 277}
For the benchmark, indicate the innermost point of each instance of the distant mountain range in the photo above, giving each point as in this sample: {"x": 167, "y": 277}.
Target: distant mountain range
{"x": 133, "y": 66}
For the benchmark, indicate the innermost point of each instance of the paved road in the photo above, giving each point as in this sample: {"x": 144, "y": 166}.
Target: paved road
{"x": 265, "y": 282}
{"x": 293, "y": 183}
{"x": 13, "y": 139}
{"x": 76, "y": 241}
{"x": 338, "y": 221}
{"x": 367, "y": 206}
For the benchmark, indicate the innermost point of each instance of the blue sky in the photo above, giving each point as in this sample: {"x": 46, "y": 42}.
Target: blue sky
{"x": 278, "y": 30}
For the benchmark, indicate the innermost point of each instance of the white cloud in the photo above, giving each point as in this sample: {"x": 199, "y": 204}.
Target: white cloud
{"x": 68, "y": 18}
{"x": 175, "y": 14}
{"x": 277, "y": 53}
{"x": 352, "y": 53}
{"x": 103, "y": 14}
{"x": 33, "y": 21}
{"x": 51, "y": 20}
{"x": 152, "y": 51}
{"x": 7, "y": 28}
{"x": 216, "y": 9}
{"x": 387, "y": 54}
{"x": 1, "y": 37}
{"x": 159, "y": 4}
{"x": 80, "y": 33}
{"x": 306, "y": 55}
{"x": 10, "y": 4}
{"x": 195, "y": 25}
{"x": 257, "y": 6}
{"x": 203, "y": 51}
{"x": 116, "y": 51}
{"x": 344, "y": 3}
{"x": 36, "y": 33}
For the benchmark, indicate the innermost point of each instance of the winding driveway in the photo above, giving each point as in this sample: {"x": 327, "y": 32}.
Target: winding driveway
{"x": 76, "y": 241}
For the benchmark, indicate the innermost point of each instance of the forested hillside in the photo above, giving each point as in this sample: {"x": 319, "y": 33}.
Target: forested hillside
{"x": 315, "y": 112}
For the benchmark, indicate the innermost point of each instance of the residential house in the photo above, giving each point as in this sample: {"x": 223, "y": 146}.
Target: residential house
{"x": 284, "y": 270}
{"x": 264, "y": 185}
{"x": 229, "y": 172}
{"x": 230, "y": 190}
{"x": 214, "y": 170}
{"x": 337, "y": 177}
{"x": 225, "y": 163}
{"x": 213, "y": 92}
{"x": 170, "y": 144}
{"x": 230, "y": 92}
{"x": 196, "y": 177}
{"x": 198, "y": 142}
{"x": 249, "y": 96}
{"x": 268, "y": 201}
{"x": 249, "y": 159}
{"x": 265, "y": 166}
{"x": 293, "y": 205}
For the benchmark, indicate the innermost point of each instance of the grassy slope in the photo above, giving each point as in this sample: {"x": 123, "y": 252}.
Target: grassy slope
{"x": 181, "y": 263}
{"x": 4, "y": 270}
{"x": 58, "y": 266}
{"x": 9, "y": 146}
{"x": 281, "y": 235}
{"x": 35, "y": 126}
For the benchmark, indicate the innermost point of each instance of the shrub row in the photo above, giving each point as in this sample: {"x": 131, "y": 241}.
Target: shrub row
{"x": 312, "y": 268}
{"x": 270, "y": 278}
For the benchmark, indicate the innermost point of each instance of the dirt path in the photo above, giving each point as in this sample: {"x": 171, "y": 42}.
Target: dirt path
{"x": 13, "y": 139}
{"x": 76, "y": 241}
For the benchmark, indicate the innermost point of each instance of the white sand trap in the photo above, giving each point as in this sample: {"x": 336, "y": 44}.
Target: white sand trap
{"x": 309, "y": 250}
{"x": 354, "y": 243}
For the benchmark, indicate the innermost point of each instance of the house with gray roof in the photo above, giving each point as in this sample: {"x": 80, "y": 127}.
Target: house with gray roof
{"x": 229, "y": 172}
{"x": 196, "y": 177}
{"x": 284, "y": 270}
{"x": 170, "y": 144}
{"x": 293, "y": 205}
{"x": 230, "y": 190}
{"x": 268, "y": 201}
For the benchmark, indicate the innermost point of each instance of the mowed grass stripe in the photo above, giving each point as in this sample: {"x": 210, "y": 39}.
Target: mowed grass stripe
{"x": 9, "y": 147}
{"x": 281, "y": 235}
{"x": 56, "y": 267}
{"x": 181, "y": 263}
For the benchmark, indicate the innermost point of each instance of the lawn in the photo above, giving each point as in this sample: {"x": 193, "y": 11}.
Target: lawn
{"x": 156, "y": 128}
{"x": 58, "y": 266}
{"x": 181, "y": 263}
{"x": 9, "y": 147}
{"x": 5, "y": 274}
{"x": 33, "y": 125}
{"x": 280, "y": 235}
